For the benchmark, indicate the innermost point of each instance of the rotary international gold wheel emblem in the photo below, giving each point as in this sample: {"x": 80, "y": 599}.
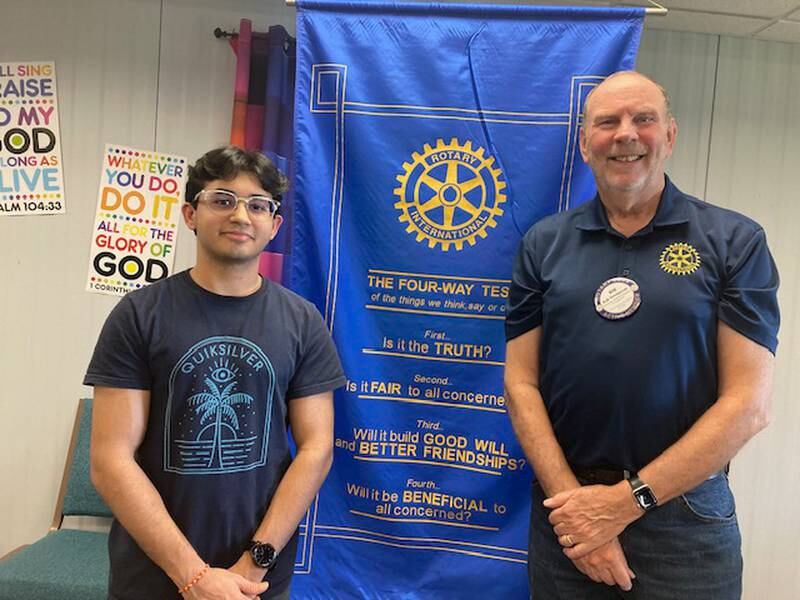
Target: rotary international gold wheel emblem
{"x": 450, "y": 194}
{"x": 680, "y": 259}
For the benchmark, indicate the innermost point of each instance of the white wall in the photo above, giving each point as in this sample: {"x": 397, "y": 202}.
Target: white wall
{"x": 753, "y": 167}
{"x": 149, "y": 73}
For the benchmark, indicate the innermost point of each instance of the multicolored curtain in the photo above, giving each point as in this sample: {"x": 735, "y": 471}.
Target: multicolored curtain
{"x": 263, "y": 110}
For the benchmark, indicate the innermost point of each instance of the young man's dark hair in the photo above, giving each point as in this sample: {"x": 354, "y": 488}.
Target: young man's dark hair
{"x": 226, "y": 163}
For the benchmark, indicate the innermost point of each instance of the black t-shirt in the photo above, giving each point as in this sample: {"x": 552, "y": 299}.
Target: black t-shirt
{"x": 220, "y": 371}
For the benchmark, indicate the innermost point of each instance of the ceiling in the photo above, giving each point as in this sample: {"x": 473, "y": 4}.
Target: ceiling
{"x": 777, "y": 20}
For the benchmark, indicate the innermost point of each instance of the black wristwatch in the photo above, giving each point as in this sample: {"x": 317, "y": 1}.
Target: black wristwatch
{"x": 642, "y": 493}
{"x": 264, "y": 555}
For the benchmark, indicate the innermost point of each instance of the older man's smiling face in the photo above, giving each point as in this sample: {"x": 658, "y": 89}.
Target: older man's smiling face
{"x": 627, "y": 135}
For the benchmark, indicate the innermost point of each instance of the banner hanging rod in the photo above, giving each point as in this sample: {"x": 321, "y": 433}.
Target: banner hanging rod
{"x": 656, "y": 9}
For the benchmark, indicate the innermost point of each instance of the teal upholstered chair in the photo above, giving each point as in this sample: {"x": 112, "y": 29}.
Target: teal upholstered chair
{"x": 67, "y": 564}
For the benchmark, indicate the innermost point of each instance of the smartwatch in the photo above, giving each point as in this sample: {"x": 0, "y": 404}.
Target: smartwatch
{"x": 642, "y": 493}
{"x": 264, "y": 555}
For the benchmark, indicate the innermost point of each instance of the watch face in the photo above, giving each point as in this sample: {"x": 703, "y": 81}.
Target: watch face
{"x": 646, "y": 498}
{"x": 263, "y": 555}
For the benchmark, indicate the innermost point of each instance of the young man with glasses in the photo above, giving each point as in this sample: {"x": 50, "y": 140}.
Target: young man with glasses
{"x": 196, "y": 379}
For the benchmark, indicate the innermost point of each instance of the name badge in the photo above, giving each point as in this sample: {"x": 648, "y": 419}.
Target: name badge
{"x": 617, "y": 298}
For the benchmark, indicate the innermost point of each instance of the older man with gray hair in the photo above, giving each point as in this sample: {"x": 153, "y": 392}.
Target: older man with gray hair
{"x": 641, "y": 333}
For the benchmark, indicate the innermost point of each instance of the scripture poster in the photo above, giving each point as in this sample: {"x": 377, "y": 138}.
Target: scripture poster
{"x": 138, "y": 212}
{"x": 31, "y": 179}
{"x": 429, "y": 138}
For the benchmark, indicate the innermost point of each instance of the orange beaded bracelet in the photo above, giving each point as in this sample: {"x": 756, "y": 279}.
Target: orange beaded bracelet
{"x": 194, "y": 580}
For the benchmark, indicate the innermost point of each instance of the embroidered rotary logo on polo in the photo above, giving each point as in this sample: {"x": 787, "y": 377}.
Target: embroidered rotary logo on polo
{"x": 450, "y": 194}
{"x": 679, "y": 258}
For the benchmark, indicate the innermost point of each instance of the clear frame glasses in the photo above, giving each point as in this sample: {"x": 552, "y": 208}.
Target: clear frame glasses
{"x": 225, "y": 202}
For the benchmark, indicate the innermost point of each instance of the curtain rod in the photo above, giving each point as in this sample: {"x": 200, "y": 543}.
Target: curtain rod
{"x": 656, "y": 9}
{"x": 222, "y": 33}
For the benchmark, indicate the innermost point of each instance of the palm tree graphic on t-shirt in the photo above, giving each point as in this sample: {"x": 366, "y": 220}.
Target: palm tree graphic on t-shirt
{"x": 216, "y": 404}
{"x": 219, "y": 408}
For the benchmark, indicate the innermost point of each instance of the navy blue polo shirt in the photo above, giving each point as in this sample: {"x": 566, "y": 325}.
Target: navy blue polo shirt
{"x": 619, "y": 392}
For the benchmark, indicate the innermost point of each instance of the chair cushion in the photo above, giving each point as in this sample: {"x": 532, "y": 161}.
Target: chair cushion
{"x": 81, "y": 498}
{"x": 66, "y": 564}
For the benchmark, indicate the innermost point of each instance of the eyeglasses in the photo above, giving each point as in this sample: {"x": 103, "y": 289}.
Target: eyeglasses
{"x": 225, "y": 202}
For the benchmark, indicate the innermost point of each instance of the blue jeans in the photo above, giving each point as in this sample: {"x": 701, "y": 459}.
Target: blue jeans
{"x": 686, "y": 549}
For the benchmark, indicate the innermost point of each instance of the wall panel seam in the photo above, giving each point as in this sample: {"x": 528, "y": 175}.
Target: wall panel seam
{"x": 158, "y": 73}
{"x": 711, "y": 121}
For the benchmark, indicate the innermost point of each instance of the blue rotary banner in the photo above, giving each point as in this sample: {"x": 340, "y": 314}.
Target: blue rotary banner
{"x": 429, "y": 137}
